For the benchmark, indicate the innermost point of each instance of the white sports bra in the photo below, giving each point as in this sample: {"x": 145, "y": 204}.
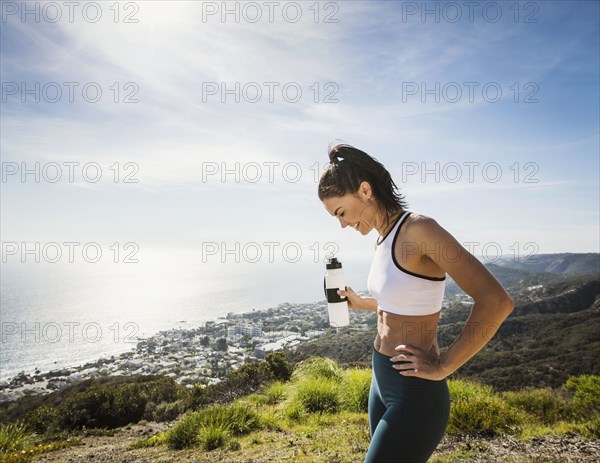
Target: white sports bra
{"x": 398, "y": 290}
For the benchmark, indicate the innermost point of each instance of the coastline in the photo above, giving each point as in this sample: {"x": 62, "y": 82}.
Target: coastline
{"x": 188, "y": 354}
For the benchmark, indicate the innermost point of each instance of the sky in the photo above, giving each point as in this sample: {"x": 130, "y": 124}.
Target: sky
{"x": 205, "y": 125}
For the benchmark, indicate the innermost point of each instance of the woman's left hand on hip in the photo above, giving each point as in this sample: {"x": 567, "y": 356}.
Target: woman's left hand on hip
{"x": 418, "y": 362}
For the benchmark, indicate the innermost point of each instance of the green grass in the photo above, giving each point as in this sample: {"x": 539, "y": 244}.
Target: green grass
{"x": 320, "y": 414}
{"x": 14, "y": 436}
{"x": 19, "y": 444}
{"x": 322, "y": 402}
{"x": 211, "y": 426}
{"x": 476, "y": 409}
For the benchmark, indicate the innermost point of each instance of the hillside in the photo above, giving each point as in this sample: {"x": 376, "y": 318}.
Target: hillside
{"x": 566, "y": 262}
{"x": 314, "y": 411}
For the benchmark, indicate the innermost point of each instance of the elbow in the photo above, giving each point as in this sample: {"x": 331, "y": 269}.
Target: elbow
{"x": 506, "y": 305}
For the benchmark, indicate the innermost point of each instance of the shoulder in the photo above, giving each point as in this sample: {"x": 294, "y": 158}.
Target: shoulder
{"x": 418, "y": 224}
{"x": 426, "y": 234}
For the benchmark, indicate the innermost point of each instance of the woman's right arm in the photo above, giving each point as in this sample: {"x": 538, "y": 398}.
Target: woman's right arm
{"x": 357, "y": 302}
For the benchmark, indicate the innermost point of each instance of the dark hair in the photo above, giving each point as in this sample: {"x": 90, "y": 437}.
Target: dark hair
{"x": 345, "y": 176}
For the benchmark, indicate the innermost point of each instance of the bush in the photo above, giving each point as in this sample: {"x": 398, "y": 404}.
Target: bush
{"x": 354, "y": 390}
{"x": 14, "y": 436}
{"x": 110, "y": 407}
{"x": 275, "y": 393}
{"x": 318, "y": 395}
{"x": 544, "y": 405}
{"x": 282, "y": 369}
{"x": 164, "y": 411}
{"x": 213, "y": 423}
{"x": 318, "y": 367}
{"x": 477, "y": 409}
{"x": 294, "y": 410}
{"x": 43, "y": 419}
{"x": 239, "y": 419}
{"x": 249, "y": 378}
{"x": 185, "y": 433}
{"x": 586, "y": 394}
{"x": 213, "y": 436}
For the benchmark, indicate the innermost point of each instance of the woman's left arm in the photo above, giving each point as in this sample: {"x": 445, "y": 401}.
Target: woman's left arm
{"x": 492, "y": 302}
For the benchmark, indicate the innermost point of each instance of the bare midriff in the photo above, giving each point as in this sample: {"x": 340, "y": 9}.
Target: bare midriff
{"x": 393, "y": 329}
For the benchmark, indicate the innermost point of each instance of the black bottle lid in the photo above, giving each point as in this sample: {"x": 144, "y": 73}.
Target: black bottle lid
{"x": 333, "y": 263}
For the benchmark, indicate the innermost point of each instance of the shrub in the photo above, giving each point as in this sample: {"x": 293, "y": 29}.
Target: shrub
{"x": 354, "y": 390}
{"x": 294, "y": 410}
{"x": 43, "y": 419}
{"x": 318, "y": 395}
{"x": 275, "y": 393}
{"x": 196, "y": 397}
{"x": 249, "y": 378}
{"x": 477, "y": 409}
{"x": 212, "y": 422}
{"x": 544, "y": 405}
{"x": 113, "y": 406}
{"x": 318, "y": 367}
{"x": 586, "y": 394}
{"x": 213, "y": 436}
{"x": 164, "y": 411}
{"x": 185, "y": 433}
{"x": 279, "y": 366}
{"x": 14, "y": 436}
{"x": 238, "y": 418}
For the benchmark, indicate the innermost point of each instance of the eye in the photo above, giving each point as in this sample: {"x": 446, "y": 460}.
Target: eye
{"x": 342, "y": 214}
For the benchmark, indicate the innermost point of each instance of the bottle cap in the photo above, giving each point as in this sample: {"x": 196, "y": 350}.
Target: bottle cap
{"x": 333, "y": 263}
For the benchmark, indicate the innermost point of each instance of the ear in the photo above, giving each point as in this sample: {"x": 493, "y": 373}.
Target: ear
{"x": 365, "y": 188}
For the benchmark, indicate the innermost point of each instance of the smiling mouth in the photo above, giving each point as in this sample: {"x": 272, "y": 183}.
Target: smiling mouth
{"x": 356, "y": 225}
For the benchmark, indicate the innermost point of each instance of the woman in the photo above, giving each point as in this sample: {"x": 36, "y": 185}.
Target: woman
{"x": 409, "y": 402}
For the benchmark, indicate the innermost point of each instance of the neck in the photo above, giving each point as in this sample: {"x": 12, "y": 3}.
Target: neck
{"x": 386, "y": 226}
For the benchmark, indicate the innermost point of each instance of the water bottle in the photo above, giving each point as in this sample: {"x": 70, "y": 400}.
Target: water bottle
{"x": 337, "y": 305}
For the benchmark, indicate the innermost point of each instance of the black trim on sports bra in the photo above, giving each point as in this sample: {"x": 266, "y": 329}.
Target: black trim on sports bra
{"x": 391, "y": 228}
{"x": 403, "y": 269}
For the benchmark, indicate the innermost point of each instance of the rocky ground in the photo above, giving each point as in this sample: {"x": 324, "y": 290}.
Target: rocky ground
{"x": 114, "y": 449}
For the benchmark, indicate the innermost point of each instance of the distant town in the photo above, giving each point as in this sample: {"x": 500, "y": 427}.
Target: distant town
{"x": 203, "y": 355}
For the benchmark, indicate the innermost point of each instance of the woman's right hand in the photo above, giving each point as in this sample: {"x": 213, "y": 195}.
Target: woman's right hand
{"x": 357, "y": 302}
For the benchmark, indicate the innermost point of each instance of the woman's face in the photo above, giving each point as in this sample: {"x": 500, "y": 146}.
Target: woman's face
{"x": 357, "y": 211}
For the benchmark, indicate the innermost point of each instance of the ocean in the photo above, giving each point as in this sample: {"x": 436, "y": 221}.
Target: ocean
{"x": 65, "y": 314}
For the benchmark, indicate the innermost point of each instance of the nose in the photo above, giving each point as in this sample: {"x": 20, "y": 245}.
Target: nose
{"x": 343, "y": 223}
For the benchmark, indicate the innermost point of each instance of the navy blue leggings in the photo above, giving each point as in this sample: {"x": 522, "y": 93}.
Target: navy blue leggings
{"x": 407, "y": 415}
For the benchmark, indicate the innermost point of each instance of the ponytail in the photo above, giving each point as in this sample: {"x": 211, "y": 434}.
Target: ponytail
{"x": 349, "y": 167}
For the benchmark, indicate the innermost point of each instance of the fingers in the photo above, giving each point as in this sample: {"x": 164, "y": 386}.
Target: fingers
{"x": 404, "y": 348}
{"x": 348, "y": 290}
{"x": 405, "y": 368}
{"x": 404, "y": 352}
